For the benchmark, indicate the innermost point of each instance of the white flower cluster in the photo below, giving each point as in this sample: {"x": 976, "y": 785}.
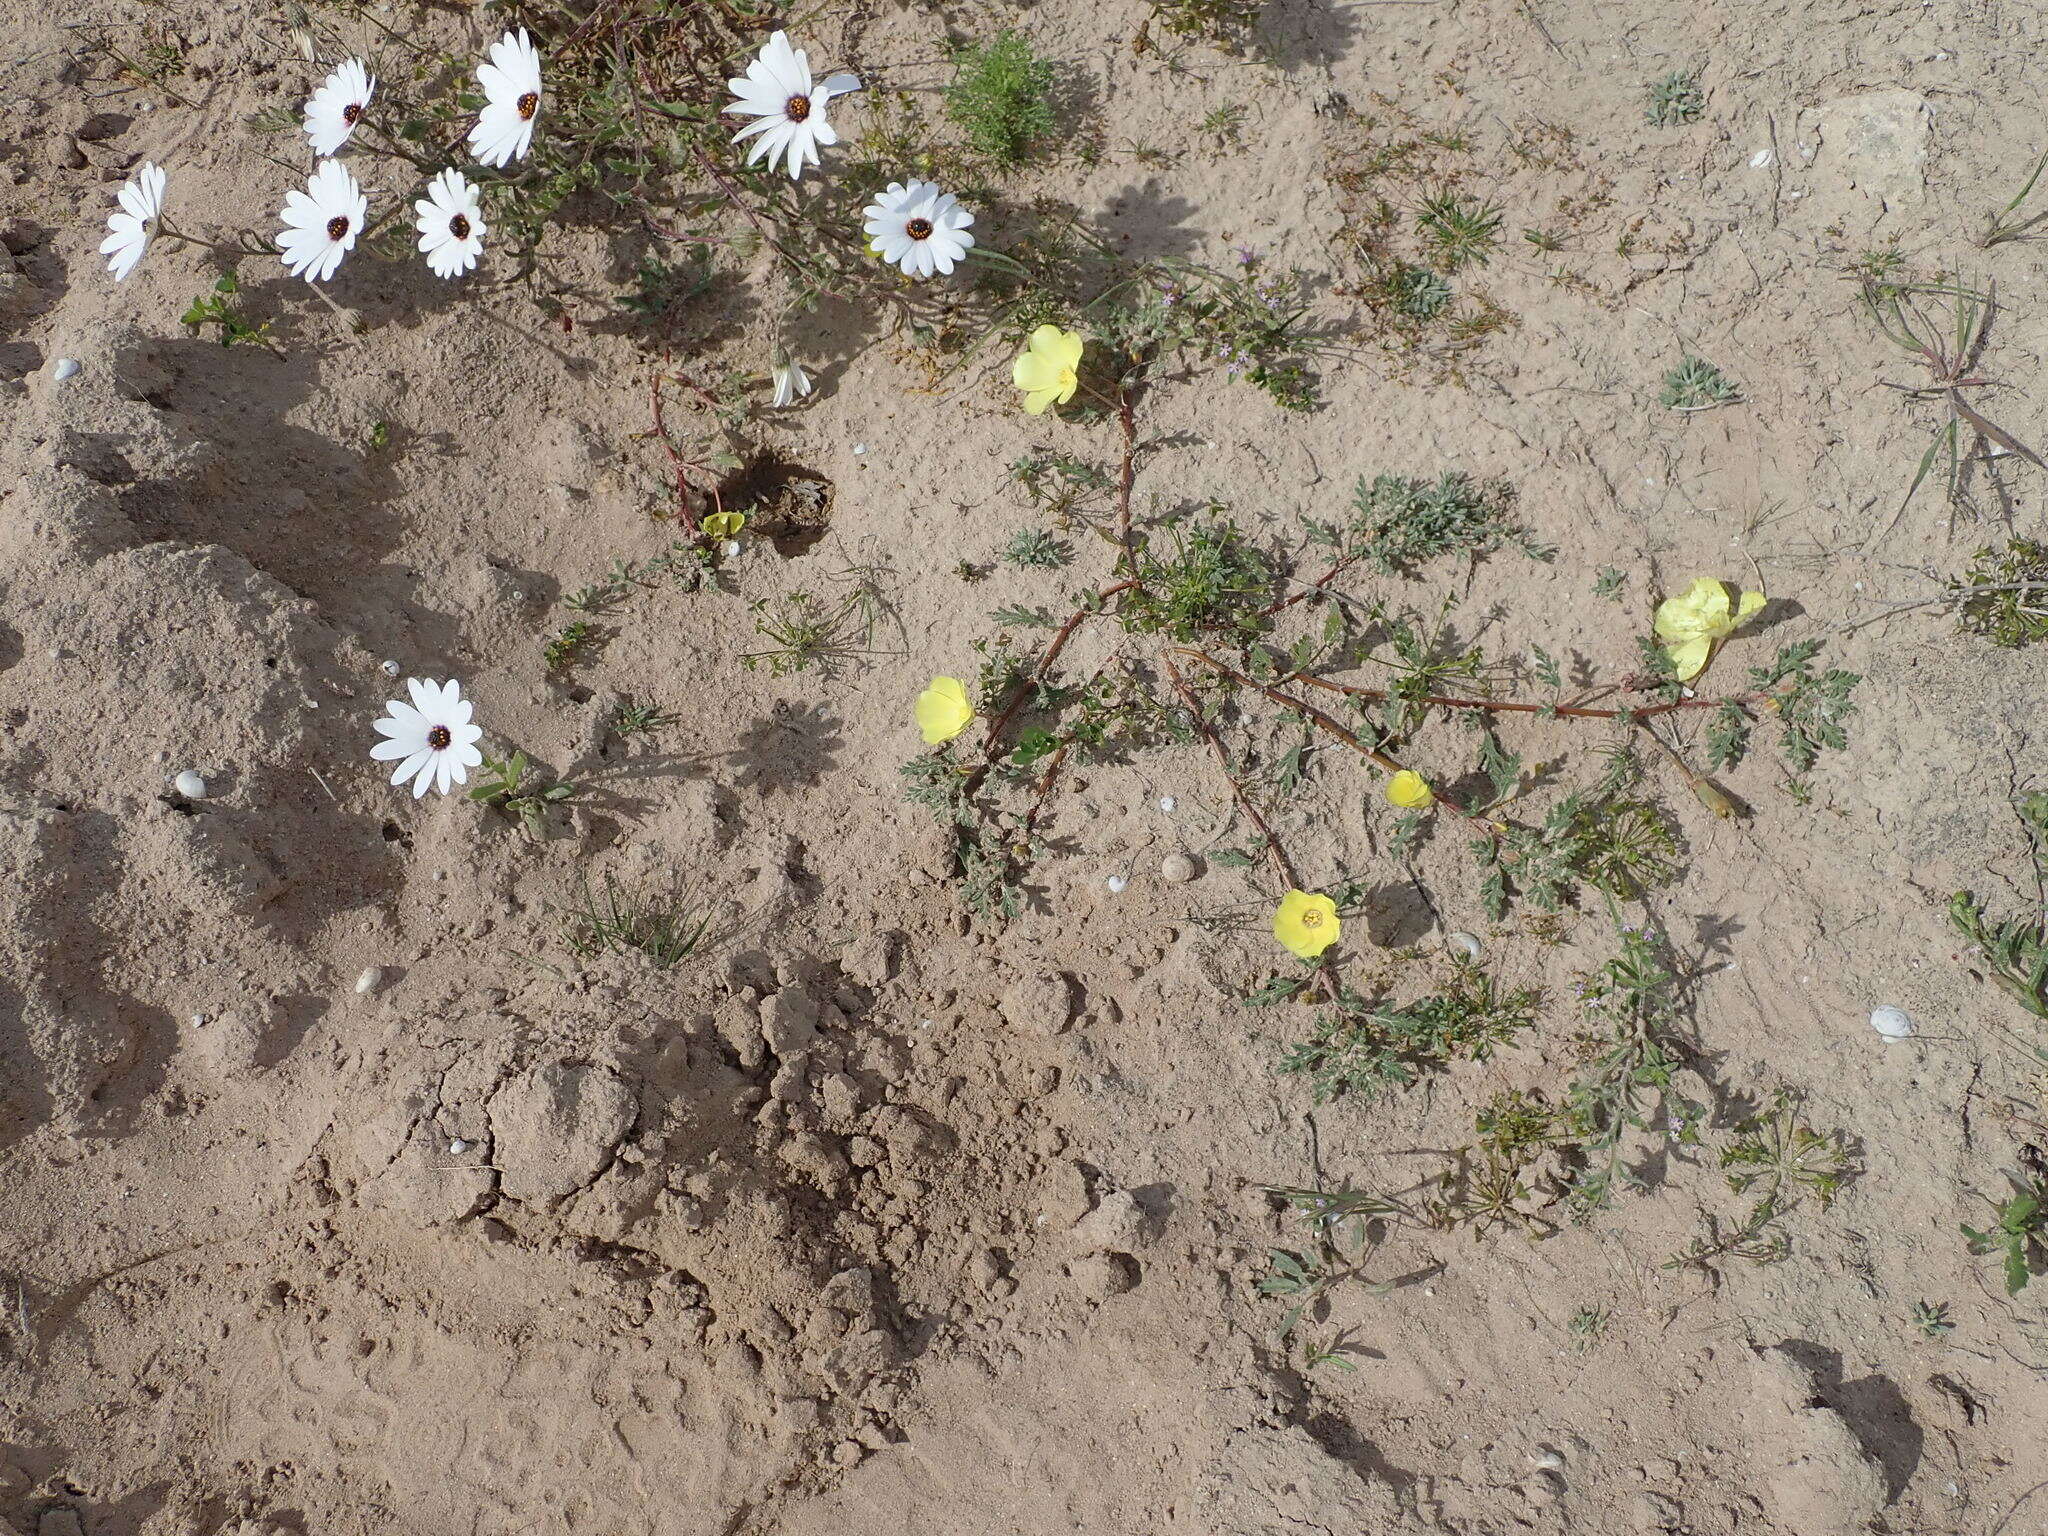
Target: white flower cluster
{"x": 323, "y": 223}
{"x": 913, "y": 225}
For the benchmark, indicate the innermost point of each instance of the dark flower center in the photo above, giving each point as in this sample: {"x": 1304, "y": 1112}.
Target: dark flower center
{"x": 336, "y": 228}
{"x": 439, "y": 737}
{"x": 459, "y": 227}
{"x": 919, "y": 229}
{"x": 351, "y": 113}
{"x": 797, "y": 108}
{"x": 528, "y": 105}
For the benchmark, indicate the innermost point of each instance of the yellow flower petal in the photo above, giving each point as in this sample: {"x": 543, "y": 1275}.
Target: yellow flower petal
{"x": 1689, "y": 657}
{"x": 943, "y": 711}
{"x": 1752, "y": 603}
{"x": 1048, "y": 369}
{"x": 1702, "y": 609}
{"x": 1306, "y": 925}
{"x": 1410, "y": 790}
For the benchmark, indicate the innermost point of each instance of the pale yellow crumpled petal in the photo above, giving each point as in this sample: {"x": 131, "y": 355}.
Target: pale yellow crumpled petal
{"x": 943, "y": 710}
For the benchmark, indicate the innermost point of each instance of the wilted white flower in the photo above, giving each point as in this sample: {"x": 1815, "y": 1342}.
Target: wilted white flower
{"x": 791, "y": 382}
{"x": 322, "y": 222}
{"x": 132, "y": 226}
{"x": 918, "y": 228}
{"x": 431, "y": 738}
{"x": 777, "y": 90}
{"x": 511, "y": 82}
{"x": 451, "y": 224}
{"x": 336, "y": 108}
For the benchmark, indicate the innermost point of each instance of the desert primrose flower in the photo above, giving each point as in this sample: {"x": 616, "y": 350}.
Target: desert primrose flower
{"x": 334, "y": 110}
{"x": 432, "y": 737}
{"x": 1410, "y": 791}
{"x": 789, "y": 112}
{"x": 1692, "y": 624}
{"x": 723, "y": 526}
{"x": 511, "y": 82}
{"x": 1306, "y": 925}
{"x": 451, "y": 224}
{"x": 1048, "y": 370}
{"x": 322, "y": 222}
{"x": 134, "y": 223}
{"x": 943, "y": 710}
{"x": 915, "y": 226}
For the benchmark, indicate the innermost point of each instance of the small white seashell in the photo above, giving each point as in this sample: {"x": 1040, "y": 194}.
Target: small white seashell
{"x": 1177, "y": 869}
{"x": 1466, "y": 944}
{"x": 391, "y": 669}
{"x": 1116, "y": 883}
{"x": 1892, "y": 1023}
{"x": 1167, "y": 803}
{"x": 860, "y": 447}
{"x": 458, "y": 1146}
{"x": 63, "y": 369}
{"x": 1761, "y": 158}
{"x": 370, "y": 980}
{"x": 190, "y": 785}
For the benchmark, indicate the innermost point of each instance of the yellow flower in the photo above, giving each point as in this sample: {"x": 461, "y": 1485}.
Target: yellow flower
{"x": 1306, "y": 925}
{"x": 1410, "y": 791}
{"x": 723, "y": 525}
{"x": 1049, "y": 369}
{"x": 1692, "y": 624}
{"x": 943, "y": 711}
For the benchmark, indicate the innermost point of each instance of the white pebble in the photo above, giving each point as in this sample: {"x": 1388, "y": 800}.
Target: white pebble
{"x": 1116, "y": 883}
{"x": 63, "y": 369}
{"x": 371, "y": 979}
{"x": 860, "y": 447}
{"x": 190, "y": 785}
{"x": 1466, "y": 944}
{"x": 1167, "y": 803}
{"x": 1177, "y": 869}
{"x": 391, "y": 669}
{"x": 1760, "y": 159}
{"x": 458, "y": 1146}
{"x": 1892, "y": 1023}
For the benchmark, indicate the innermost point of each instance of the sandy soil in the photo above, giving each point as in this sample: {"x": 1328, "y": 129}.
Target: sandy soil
{"x": 873, "y": 1219}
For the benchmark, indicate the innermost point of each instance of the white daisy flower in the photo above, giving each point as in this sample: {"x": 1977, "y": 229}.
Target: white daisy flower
{"x": 511, "y": 82}
{"x": 791, "y": 382}
{"x": 336, "y": 108}
{"x": 777, "y": 90}
{"x": 451, "y": 224}
{"x": 918, "y": 227}
{"x": 322, "y": 222}
{"x": 133, "y": 225}
{"x": 431, "y": 738}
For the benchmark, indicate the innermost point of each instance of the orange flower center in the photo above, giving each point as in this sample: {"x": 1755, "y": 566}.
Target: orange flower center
{"x": 528, "y": 105}
{"x": 336, "y": 228}
{"x": 439, "y": 737}
{"x": 797, "y": 108}
{"x": 1312, "y": 918}
{"x": 919, "y": 229}
{"x": 351, "y": 113}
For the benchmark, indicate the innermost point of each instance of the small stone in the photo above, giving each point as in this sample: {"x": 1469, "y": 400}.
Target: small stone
{"x": 1118, "y": 1224}
{"x": 369, "y": 979}
{"x": 848, "y": 1453}
{"x": 390, "y": 669}
{"x": 1100, "y": 1276}
{"x": 1116, "y": 884}
{"x": 190, "y": 785}
{"x": 1167, "y": 803}
{"x": 1892, "y": 1023}
{"x": 1761, "y": 158}
{"x": 1466, "y": 944}
{"x": 458, "y": 1146}
{"x": 1177, "y": 869}
{"x": 64, "y": 368}
{"x": 1039, "y": 1003}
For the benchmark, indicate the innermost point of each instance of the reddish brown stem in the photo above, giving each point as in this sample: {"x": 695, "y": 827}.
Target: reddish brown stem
{"x": 1313, "y": 588}
{"x": 1127, "y": 419}
{"x": 1344, "y": 734}
{"x": 684, "y": 467}
{"x": 1039, "y": 672}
